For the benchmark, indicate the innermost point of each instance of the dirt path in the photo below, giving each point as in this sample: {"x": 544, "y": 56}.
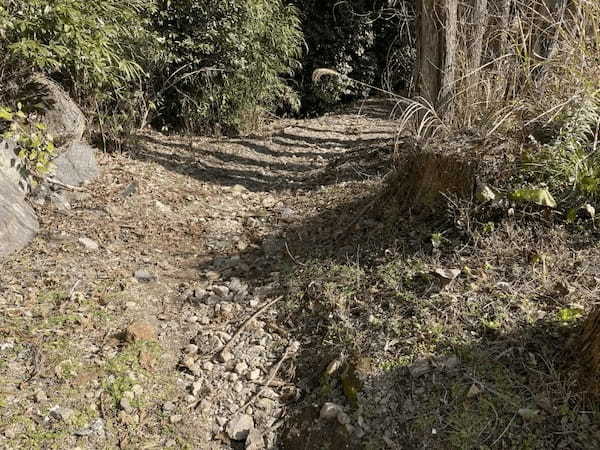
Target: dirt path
{"x": 186, "y": 239}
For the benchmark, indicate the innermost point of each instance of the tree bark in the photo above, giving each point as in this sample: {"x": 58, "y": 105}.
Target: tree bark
{"x": 436, "y": 52}
{"x": 480, "y": 17}
{"x": 588, "y": 348}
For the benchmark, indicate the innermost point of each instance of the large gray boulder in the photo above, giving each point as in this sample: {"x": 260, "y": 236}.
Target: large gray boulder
{"x": 12, "y": 168}
{"x": 76, "y": 164}
{"x": 62, "y": 116}
{"x": 18, "y": 224}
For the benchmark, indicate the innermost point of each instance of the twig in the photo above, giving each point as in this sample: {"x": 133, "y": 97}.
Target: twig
{"x": 245, "y": 324}
{"x": 292, "y": 256}
{"x": 66, "y": 186}
{"x": 288, "y": 350}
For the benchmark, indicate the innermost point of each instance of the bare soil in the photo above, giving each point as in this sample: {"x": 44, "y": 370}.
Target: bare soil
{"x": 267, "y": 276}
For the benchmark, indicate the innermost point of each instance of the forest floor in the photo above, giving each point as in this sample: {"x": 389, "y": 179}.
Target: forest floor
{"x": 125, "y": 324}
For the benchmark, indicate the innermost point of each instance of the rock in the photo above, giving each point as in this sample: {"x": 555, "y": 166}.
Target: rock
{"x": 269, "y": 202}
{"x": 240, "y": 427}
{"x": 238, "y": 188}
{"x": 255, "y": 440}
{"x": 144, "y": 276}
{"x": 288, "y": 215}
{"x": 40, "y": 396}
{"x": 254, "y": 375}
{"x": 191, "y": 348}
{"x": 63, "y": 118}
{"x": 330, "y": 411}
{"x": 212, "y": 275}
{"x": 169, "y": 406}
{"x": 175, "y": 418}
{"x": 474, "y": 391}
{"x": 196, "y": 388}
{"x": 18, "y": 224}
{"x": 60, "y": 413}
{"x": 240, "y": 368}
{"x": 125, "y": 405}
{"x": 89, "y": 243}
{"x": 164, "y": 209}
{"x": 529, "y": 414}
{"x": 131, "y": 189}
{"x": 419, "y": 368}
{"x": 76, "y": 165}
{"x": 225, "y": 356}
{"x": 95, "y": 428}
{"x": 140, "y": 331}
{"x": 59, "y": 202}
{"x": 221, "y": 291}
{"x": 12, "y": 168}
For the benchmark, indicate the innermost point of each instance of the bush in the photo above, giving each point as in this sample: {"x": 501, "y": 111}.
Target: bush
{"x": 227, "y": 58}
{"x": 363, "y": 40}
{"x": 100, "y": 51}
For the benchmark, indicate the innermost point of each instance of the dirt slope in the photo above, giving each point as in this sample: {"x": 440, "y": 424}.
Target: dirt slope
{"x": 185, "y": 238}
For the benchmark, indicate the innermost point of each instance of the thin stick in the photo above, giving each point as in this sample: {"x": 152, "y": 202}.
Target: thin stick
{"x": 66, "y": 186}
{"x": 270, "y": 380}
{"x": 245, "y": 324}
{"x": 298, "y": 263}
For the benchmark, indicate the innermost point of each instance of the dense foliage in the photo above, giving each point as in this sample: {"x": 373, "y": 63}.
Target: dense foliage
{"x": 226, "y": 59}
{"x": 365, "y": 40}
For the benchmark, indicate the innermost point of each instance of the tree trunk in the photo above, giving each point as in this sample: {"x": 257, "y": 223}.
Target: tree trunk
{"x": 436, "y": 50}
{"x": 480, "y": 17}
{"x": 588, "y": 347}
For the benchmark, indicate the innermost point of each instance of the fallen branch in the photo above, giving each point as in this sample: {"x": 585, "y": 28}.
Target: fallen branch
{"x": 66, "y": 186}
{"x": 245, "y": 324}
{"x": 291, "y": 348}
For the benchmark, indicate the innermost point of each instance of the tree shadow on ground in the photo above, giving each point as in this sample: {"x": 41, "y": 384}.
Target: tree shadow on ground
{"x": 492, "y": 376}
{"x": 286, "y": 159}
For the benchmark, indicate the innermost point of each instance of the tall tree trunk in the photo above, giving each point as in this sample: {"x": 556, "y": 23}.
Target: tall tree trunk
{"x": 436, "y": 51}
{"x": 480, "y": 17}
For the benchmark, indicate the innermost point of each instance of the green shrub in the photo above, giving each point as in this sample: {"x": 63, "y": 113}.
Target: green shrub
{"x": 227, "y": 58}
{"x": 90, "y": 45}
{"x": 35, "y": 147}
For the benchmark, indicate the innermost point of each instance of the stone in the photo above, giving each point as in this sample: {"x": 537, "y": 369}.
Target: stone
{"x": 175, "y": 418}
{"x": 225, "y": 356}
{"x": 330, "y": 411}
{"x": 18, "y": 223}
{"x": 63, "y": 118}
{"x": 474, "y": 391}
{"x": 12, "y": 167}
{"x": 162, "y": 208}
{"x": 143, "y": 276}
{"x": 76, "y": 165}
{"x": 125, "y": 405}
{"x": 140, "y": 331}
{"x": 169, "y": 406}
{"x": 59, "y": 202}
{"x": 60, "y": 413}
{"x": 40, "y": 396}
{"x": 255, "y": 440}
{"x": 129, "y": 190}
{"x": 88, "y": 243}
{"x": 95, "y": 428}
{"x": 239, "y": 427}
{"x": 221, "y": 291}
{"x": 241, "y": 368}
{"x": 254, "y": 375}
{"x": 191, "y": 348}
